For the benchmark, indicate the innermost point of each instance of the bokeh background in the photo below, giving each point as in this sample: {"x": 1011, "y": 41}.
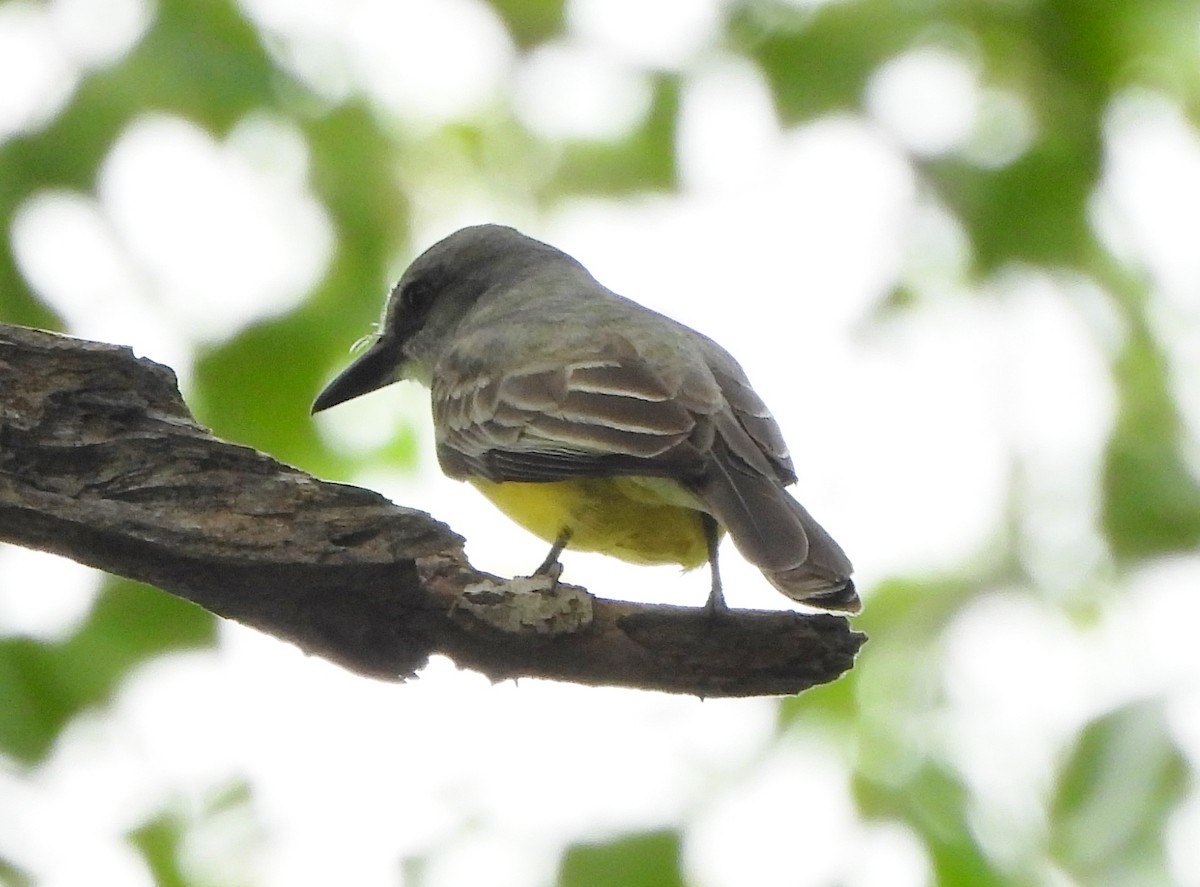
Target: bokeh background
{"x": 955, "y": 244}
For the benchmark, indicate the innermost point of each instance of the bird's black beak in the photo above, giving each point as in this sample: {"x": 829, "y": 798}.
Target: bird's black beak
{"x": 374, "y": 368}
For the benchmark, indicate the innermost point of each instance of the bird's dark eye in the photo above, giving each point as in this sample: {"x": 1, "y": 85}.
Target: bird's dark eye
{"x": 419, "y": 293}
{"x": 417, "y": 296}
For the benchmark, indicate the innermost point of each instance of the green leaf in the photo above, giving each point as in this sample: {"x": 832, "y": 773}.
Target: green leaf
{"x": 227, "y": 827}
{"x": 818, "y": 61}
{"x": 353, "y": 173}
{"x": 1151, "y": 499}
{"x": 159, "y": 842}
{"x": 258, "y": 388}
{"x": 43, "y": 686}
{"x": 934, "y": 802}
{"x": 12, "y": 876}
{"x": 530, "y": 22}
{"x": 203, "y": 60}
{"x": 645, "y": 860}
{"x": 1115, "y": 795}
{"x": 1033, "y": 210}
{"x": 643, "y": 162}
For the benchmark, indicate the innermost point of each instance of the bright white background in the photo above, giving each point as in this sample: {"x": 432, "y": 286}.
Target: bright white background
{"x": 781, "y": 245}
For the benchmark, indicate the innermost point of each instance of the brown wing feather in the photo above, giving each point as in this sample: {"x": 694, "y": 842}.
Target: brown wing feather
{"x": 612, "y": 412}
{"x": 600, "y": 414}
{"x": 745, "y": 489}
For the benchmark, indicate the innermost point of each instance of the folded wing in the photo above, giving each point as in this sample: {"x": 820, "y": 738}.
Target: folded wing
{"x": 612, "y": 412}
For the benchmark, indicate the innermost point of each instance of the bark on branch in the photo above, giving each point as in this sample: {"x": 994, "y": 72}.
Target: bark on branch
{"x": 101, "y": 462}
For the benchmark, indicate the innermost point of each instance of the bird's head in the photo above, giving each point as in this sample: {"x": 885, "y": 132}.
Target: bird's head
{"x": 430, "y": 300}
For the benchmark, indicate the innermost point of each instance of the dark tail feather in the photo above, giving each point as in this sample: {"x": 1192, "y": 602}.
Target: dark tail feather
{"x": 775, "y": 533}
{"x": 823, "y": 578}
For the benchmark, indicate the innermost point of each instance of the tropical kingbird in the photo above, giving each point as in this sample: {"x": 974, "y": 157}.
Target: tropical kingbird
{"x": 592, "y": 421}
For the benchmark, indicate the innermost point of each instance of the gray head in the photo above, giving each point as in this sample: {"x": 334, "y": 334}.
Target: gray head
{"x": 431, "y": 298}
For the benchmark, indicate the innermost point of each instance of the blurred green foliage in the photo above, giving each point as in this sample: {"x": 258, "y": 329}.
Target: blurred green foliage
{"x": 1065, "y": 60}
{"x": 646, "y": 860}
{"x": 1152, "y": 501}
{"x": 159, "y": 842}
{"x": 162, "y": 840}
{"x": 1115, "y": 796}
{"x": 11, "y": 876}
{"x": 645, "y": 161}
{"x": 44, "y": 685}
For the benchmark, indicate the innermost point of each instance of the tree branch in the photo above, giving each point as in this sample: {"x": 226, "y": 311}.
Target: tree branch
{"x": 101, "y": 462}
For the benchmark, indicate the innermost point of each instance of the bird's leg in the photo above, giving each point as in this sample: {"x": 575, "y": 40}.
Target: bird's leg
{"x": 712, "y": 536}
{"x": 550, "y": 566}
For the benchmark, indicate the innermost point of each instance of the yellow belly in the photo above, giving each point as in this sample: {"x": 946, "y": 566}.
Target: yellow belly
{"x": 641, "y": 520}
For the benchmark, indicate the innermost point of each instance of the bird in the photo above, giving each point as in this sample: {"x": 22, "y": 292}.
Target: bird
{"x": 596, "y": 423}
